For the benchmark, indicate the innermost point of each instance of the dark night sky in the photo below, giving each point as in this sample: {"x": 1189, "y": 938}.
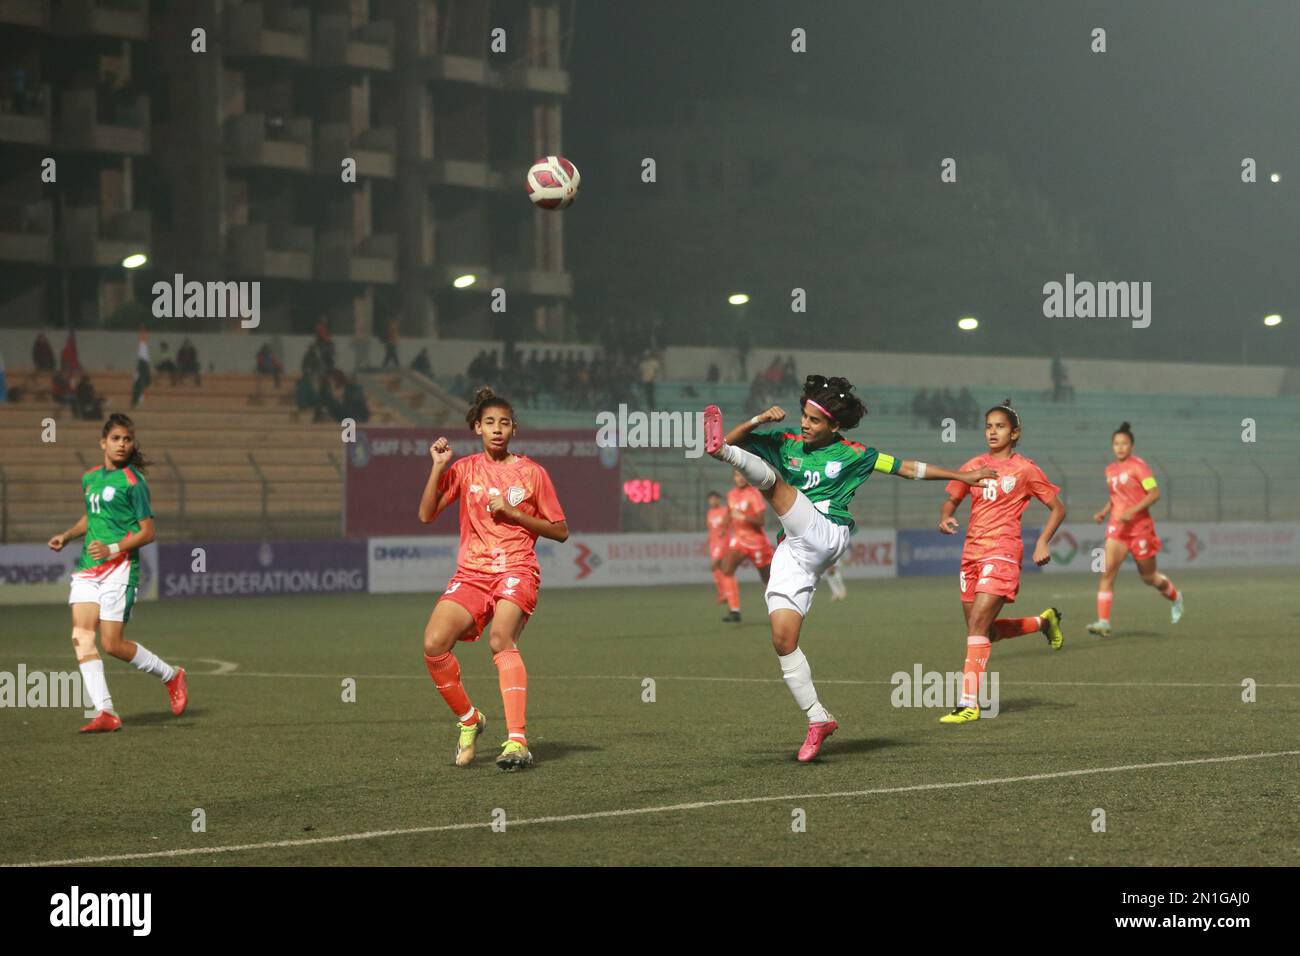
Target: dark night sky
{"x": 1142, "y": 144}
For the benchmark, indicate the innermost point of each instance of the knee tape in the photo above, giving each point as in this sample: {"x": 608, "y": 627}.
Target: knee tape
{"x": 83, "y": 641}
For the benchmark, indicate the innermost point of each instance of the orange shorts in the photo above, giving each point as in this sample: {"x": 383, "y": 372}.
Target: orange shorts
{"x": 717, "y": 550}
{"x": 478, "y": 593}
{"x": 755, "y": 547}
{"x": 1139, "y": 536}
{"x": 995, "y": 575}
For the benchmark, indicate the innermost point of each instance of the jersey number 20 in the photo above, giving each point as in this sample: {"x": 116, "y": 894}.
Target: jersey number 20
{"x": 811, "y": 479}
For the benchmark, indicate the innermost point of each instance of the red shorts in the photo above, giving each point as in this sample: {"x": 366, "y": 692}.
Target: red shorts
{"x": 995, "y": 575}
{"x": 1139, "y": 536}
{"x": 755, "y": 548}
{"x": 478, "y": 593}
{"x": 717, "y": 550}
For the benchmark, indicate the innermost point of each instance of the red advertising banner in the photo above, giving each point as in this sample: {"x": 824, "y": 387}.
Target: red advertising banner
{"x": 388, "y": 467}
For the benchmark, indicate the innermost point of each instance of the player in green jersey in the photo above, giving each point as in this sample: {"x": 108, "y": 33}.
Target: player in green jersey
{"x": 117, "y": 523}
{"x": 810, "y": 476}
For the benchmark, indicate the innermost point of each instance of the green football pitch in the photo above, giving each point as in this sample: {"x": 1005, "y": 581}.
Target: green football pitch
{"x": 1145, "y": 733}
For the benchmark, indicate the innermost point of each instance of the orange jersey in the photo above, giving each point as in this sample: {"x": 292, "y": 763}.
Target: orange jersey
{"x": 997, "y": 505}
{"x": 1129, "y": 482}
{"x": 747, "y": 512}
{"x": 718, "y": 518}
{"x": 486, "y": 544}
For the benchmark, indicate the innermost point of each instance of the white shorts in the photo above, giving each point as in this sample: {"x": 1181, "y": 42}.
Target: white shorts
{"x": 812, "y": 543}
{"x": 114, "y": 596}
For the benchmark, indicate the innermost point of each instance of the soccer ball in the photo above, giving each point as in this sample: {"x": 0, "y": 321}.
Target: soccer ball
{"x": 552, "y": 182}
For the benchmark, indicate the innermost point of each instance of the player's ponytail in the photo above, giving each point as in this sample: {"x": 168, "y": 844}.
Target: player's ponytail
{"x": 484, "y": 399}
{"x": 1124, "y": 429}
{"x": 835, "y": 397}
{"x": 137, "y": 459}
{"x": 1006, "y": 408}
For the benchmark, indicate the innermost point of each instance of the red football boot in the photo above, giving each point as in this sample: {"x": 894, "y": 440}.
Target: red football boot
{"x": 713, "y": 433}
{"x": 817, "y": 734}
{"x": 179, "y": 692}
{"x": 103, "y": 723}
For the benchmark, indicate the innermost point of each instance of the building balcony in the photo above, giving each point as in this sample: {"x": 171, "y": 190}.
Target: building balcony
{"x": 465, "y": 173}
{"x": 27, "y": 232}
{"x": 251, "y": 30}
{"x": 24, "y": 13}
{"x": 124, "y": 19}
{"x": 526, "y": 78}
{"x": 454, "y": 68}
{"x": 270, "y": 250}
{"x": 541, "y": 283}
{"x": 99, "y": 241}
{"x": 91, "y": 122}
{"x": 369, "y": 47}
{"x": 375, "y": 150}
{"x": 341, "y": 258}
{"x": 27, "y": 118}
{"x": 253, "y": 139}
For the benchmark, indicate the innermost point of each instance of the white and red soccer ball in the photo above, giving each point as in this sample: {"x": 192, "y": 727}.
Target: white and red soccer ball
{"x": 552, "y": 182}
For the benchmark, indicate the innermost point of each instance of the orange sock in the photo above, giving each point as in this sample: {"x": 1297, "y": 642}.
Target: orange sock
{"x": 1166, "y": 587}
{"x": 513, "y": 678}
{"x": 733, "y": 592}
{"x": 1015, "y": 626}
{"x": 718, "y": 579}
{"x": 445, "y": 671}
{"x": 1104, "y": 601}
{"x": 977, "y": 658}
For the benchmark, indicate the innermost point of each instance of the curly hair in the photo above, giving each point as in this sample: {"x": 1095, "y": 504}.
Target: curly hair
{"x": 484, "y": 399}
{"x": 835, "y": 397}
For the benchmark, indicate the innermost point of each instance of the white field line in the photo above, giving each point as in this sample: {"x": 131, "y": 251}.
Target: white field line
{"x": 642, "y": 811}
{"x": 734, "y": 680}
{"x": 230, "y": 669}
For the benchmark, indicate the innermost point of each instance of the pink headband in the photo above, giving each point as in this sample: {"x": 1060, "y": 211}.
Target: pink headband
{"x": 821, "y": 409}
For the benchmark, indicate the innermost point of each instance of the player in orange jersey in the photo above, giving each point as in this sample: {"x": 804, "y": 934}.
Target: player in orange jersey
{"x": 506, "y": 503}
{"x": 1133, "y": 490}
{"x": 990, "y": 560}
{"x": 718, "y": 519}
{"x": 747, "y": 540}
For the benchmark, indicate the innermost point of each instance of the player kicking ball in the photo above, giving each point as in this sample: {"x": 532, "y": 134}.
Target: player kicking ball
{"x": 118, "y": 522}
{"x": 809, "y": 477}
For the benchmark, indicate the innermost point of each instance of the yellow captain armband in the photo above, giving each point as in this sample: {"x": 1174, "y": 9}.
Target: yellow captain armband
{"x": 886, "y": 463}
{"x": 1148, "y": 482}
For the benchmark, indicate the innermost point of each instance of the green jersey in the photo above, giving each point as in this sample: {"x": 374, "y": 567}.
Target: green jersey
{"x": 116, "y": 502}
{"x": 829, "y": 475}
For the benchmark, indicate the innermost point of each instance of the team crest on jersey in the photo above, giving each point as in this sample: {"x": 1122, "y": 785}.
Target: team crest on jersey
{"x": 109, "y": 492}
{"x": 832, "y": 469}
{"x": 1123, "y": 477}
{"x": 515, "y": 495}
{"x": 1008, "y": 482}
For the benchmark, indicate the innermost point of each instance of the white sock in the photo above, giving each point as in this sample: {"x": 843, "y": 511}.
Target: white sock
{"x": 149, "y": 662}
{"x": 836, "y": 582}
{"x": 798, "y": 677}
{"x": 92, "y": 678}
{"x": 756, "y": 471}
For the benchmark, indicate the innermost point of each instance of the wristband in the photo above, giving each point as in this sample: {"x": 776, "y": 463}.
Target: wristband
{"x": 920, "y": 471}
{"x": 756, "y": 420}
{"x": 114, "y": 548}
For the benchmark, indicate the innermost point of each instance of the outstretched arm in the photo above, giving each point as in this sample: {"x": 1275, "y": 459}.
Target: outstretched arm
{"x": 920, "y": 470}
